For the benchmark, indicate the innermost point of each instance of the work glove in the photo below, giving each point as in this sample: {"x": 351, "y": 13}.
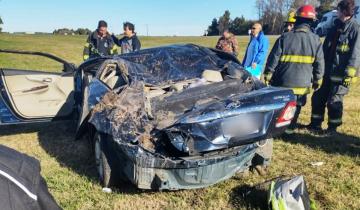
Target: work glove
{"x": 267, "y": 77}
{"x": 347, "y": 81}
{"x": 316, "y": 85}
{"x": 350, "y": 76}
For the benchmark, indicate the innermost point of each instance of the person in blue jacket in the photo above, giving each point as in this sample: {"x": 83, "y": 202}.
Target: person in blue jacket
{"x": 256, "y": 51}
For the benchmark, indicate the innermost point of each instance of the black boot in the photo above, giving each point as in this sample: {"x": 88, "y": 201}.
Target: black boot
{"x": 314, "y": 129}
{"x": 331, "y": 131}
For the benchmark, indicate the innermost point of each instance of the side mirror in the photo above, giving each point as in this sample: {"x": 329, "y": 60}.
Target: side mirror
{"x": 69, "y": 67}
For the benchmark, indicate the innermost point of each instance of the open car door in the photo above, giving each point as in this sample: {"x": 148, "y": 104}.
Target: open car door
{"x": 33, "y": 95}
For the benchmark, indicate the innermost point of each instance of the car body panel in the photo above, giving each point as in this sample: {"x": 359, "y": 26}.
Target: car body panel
{"x": 150, "y": 171}
{"x": 141, "y": 127}
{"x": 141, "y": 101}
{"x": 29, "y": 96}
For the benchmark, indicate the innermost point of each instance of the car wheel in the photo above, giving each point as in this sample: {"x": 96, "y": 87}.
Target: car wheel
{"x": 105, "y": 174}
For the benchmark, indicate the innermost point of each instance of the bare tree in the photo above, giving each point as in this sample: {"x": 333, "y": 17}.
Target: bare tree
{"x": 272, "y": 12}
{"x": 299, "y": 3}
{"x": 1, "y": 22}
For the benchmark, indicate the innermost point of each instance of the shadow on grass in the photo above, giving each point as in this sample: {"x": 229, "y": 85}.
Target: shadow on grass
{"x": 249, "y": 197}
{"x": 340, "y": 143}
{"x": 57, "y": 139}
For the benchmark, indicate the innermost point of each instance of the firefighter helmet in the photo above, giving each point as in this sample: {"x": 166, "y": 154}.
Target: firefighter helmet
{"x": 291, "y": 17}
{"x": 306, "y": 11}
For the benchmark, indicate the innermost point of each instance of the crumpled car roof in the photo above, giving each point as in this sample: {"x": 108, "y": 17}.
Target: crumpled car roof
{"x": 162, "y": 65}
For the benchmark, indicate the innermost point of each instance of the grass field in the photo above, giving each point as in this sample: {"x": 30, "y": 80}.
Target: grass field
{"x": 68, "y": 167}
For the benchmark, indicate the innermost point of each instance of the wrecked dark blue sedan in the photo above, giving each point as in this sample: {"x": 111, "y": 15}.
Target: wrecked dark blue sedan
{"x": 172, "y": 117}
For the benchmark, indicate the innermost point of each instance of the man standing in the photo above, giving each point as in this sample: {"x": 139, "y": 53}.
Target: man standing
{"x": 99, "y": 43}
{"x": 130, "y": 42}
{"x": 228, "y": 43}
{"x": 256, "y": 51}
{"x": 297, "y": 60}
{"x": 342, "y": 60}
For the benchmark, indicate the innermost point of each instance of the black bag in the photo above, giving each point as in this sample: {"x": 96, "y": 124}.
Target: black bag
{"x": 21, "y": 185}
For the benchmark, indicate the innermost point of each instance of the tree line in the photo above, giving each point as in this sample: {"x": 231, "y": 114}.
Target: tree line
{"x": 1, "y": 22}
{"x": 271, "y": 14}
{"x": 63, "y": 31}
{"x": 66, "y": 31}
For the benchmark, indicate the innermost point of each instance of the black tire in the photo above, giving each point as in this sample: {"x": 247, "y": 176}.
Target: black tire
{"x": 107, "y": 177}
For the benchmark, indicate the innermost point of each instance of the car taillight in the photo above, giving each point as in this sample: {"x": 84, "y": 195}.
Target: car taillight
{"x": 287, "y": 114}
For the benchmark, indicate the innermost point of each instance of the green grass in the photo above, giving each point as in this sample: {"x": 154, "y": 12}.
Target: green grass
{"x": 68, "y": 167}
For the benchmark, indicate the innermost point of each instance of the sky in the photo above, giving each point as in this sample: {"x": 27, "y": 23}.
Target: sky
{"x": 155, "y": 17}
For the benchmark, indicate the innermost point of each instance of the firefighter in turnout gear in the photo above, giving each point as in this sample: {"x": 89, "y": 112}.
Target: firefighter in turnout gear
{"x": 99, "y": 43}
{"x": 297, "y": 61}
{"x": 290, "y": 21}
{"x": 342, "y": 60}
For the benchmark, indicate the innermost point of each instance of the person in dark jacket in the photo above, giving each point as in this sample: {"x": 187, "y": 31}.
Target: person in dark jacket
{"x": 256, "y": 51}
{"x": 130, "y": 42}
{"x": 99, "y": 43}
{"x": 21, "y": 184}
{"x": 342, "y": 60}
{"x": 297, "y": 61}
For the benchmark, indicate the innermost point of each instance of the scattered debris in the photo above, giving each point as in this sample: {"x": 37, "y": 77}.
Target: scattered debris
{"x": 317, "y": 163}
{"x": 106, "y": 190}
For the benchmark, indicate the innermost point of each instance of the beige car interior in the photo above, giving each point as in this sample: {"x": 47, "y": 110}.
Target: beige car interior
{"x": 40, "y": 95}
{"x": 112, "y": 77}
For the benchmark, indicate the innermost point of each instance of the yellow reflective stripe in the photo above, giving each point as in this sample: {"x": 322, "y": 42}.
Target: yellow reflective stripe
{"x": 351, "y": 71}
{"x": 272, "y": 197}
{"x": 282, "y": 204}
{"x": 289, "y": 131}
{"x": 338, "y": 120}
{"x": 312, "y": 205}
{"x": 113, "y": 50}
{"x": 316, "y": 116}
{"x": 94, "y": 51}
{"x": 301, "y": 91}
{"x": 320, "y": 82}
{"x": 297, "y": 59}
{"x": 85, "y": 57}
{"x": 336, "y": 79}
{"x": 344, "y": 48}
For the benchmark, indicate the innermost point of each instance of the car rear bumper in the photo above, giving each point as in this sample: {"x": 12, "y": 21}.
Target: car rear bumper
{"x": 146, "y": 172}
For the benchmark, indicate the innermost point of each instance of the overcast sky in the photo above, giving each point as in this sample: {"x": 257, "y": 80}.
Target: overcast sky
{"x": 160, "y": 17}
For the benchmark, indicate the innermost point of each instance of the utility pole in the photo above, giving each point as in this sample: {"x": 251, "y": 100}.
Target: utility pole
{"x": 147, "y": 30}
